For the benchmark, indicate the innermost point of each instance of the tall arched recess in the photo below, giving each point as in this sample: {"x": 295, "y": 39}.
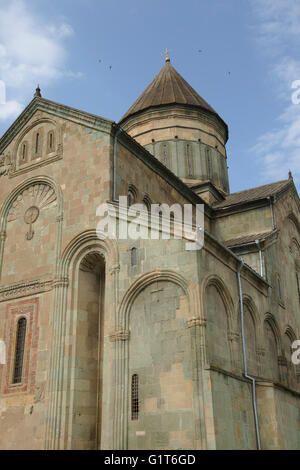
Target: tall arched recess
{"x": 80, "y": 390}
{"x": 218, "y": 307}
{"x": 43, "y": 195}
{"x": 154, "y": 367}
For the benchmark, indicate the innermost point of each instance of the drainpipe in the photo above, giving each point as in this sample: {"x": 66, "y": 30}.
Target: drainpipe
{"x": 260, "y": 257}
{"x": 245, "y": 356}
{"x": 119, "y": 130}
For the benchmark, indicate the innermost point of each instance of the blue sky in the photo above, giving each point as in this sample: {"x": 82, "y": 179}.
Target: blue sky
{"x": 248, "y": 61}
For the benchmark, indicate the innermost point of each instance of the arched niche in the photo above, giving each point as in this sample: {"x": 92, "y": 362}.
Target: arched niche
{"x": 88, "y": 350}
{"x": 31, "y": 217}
{"x": 273, "y": 348}
{"x": 288, "y": 338}
{"x": 219, "y": 318}
{"x": 159, "y": 356}
{"x": 40, "y": 142}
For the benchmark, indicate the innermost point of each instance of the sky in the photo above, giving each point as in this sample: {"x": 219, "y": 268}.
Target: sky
{"x": 241, "y": 56}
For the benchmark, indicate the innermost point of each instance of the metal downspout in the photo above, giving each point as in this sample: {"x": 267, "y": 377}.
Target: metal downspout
{"x": 245, "y": 356}
{"x": 260, "y": 257}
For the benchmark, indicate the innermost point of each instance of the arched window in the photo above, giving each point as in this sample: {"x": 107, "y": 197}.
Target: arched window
{"x": 37, "y": 139}
{"x": 51, "y": 143}
{"x": 23, "y": 152}
{"x": 133, "y": 257}
{"x": 132, "y": 195}
{"x": 19, "y": 351}
{"x": 135, "y": 397}
{"x": 147, "y": 201}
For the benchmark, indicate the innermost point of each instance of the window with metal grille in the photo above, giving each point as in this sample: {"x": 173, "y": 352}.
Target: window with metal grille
{"x": 135, "y": 397}
{"x": 19, "y": 352}
{"x": 133, "y": 257}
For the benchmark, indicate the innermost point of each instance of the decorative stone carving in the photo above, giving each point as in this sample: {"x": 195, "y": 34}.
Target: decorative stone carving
{"x": 31, "y": 202}
{"x": 30, "y": 216}
{"x": 24, "y": 289}
{"x": 119, "y": 335}
{"x": 5, "y": 164}
{"x": 196, "y": 321}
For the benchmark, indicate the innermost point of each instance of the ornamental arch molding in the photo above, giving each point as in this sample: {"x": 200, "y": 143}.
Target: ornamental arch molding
{"x": 250, "y": 304}
{"x": 86, "y": 242}
{"x": 121, "y": 341}
{"x": 219, "y": 284}
{"x": 147, "y": 279}
{"x": 270, "y": 319}
{"x": 80, "y": 251}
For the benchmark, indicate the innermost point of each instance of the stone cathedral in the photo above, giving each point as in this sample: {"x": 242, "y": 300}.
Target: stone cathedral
{"x": 141, "y": 344}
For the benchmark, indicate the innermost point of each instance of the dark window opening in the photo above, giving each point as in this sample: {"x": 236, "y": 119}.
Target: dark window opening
{"x": 133, "y": 257}
{"x": 24, "y": 152}
{"x": 135, "y": 397}
{"x": 19, "y": 352}
{"x": 37, "y": 143}
{"x": 51, "y": 141}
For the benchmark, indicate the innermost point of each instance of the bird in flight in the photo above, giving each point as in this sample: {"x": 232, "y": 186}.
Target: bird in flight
{"x": 110, "y": 67}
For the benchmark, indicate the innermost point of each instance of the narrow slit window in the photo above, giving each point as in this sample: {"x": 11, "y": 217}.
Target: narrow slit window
{"x": 133, "y": 257}
{"x": 208, "y": 163}
{"x": 189, "y": 159}
{"x": 279, "y": 288}
{"x": 24, "y": 152}
{"x": 298, "y": 284}
{"x": 135, "y": 397}
{"x": 37, "y": 143}
{"x": 51, "y": 141}
{"x": 19, "y": 351}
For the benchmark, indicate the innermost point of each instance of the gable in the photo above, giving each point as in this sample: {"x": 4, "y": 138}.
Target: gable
{"x": 36, "y": 137}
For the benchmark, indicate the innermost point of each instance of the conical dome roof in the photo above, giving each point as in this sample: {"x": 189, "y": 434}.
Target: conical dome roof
{"x": 168, "y": 87}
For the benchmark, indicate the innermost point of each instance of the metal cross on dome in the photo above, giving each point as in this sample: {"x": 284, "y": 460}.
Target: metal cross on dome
{"x": 166, "y": 53}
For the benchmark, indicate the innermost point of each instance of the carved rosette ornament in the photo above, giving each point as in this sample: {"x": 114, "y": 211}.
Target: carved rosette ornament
{"x": 29, "y": 204}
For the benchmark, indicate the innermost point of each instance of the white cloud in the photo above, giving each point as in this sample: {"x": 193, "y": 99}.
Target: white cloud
{"x": 278, "y": 34}
{"x": 10, "y": 109}
{"x": 31, "y": 52}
